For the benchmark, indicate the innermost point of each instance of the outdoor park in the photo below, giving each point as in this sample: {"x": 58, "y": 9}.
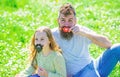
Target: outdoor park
{"x": 20, "y": 18}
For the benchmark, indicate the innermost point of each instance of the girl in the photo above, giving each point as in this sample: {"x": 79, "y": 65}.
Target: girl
{"x": 45, "y": 59}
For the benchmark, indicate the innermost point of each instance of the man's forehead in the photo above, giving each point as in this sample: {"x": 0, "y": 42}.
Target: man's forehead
{"x": 66, "y": 16}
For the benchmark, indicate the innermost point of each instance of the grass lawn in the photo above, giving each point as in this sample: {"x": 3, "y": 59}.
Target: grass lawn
{"x": 20, "y": 18}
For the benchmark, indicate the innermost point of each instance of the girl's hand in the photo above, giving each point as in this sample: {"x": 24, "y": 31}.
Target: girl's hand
{"x": 17, "y": 75}
{"x": 42, "y": 72}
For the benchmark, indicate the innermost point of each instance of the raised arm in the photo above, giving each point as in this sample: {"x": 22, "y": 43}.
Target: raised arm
{"x": 97, "y": 39}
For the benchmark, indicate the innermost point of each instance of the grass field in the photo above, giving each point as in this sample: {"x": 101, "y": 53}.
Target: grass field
{"x": 20, "y": 18}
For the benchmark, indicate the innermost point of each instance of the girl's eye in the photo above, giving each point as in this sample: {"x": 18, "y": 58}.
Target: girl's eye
{"x": 36, "y": 39}
{"x": 42, "y": 39}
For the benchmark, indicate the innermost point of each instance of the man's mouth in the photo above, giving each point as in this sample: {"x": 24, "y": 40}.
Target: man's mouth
{"x": 65, "y": 29}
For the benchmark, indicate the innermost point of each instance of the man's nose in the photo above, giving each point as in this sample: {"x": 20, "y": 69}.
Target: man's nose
{"x": 66, "y": 24}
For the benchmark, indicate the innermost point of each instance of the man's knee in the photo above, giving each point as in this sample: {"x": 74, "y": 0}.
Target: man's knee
{"x": 115, "y": 48}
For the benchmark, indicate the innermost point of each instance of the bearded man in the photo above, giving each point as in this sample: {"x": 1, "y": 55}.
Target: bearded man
{"x": 74, "y": 40}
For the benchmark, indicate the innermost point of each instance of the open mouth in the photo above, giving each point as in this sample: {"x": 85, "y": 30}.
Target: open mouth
{"x": 66, "y": 29}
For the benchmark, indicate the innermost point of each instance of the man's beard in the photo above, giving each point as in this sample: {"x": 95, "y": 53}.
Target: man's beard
{"x": 66, "y": 35}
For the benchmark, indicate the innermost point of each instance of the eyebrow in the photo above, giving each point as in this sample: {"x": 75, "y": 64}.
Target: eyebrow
{"x": 62, "y": 18}
{"x": 71, "y": 18}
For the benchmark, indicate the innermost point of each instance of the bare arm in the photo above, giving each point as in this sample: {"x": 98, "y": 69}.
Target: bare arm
{"x": 97, "y": 39}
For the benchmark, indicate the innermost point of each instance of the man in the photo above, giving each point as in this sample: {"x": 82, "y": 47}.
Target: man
{"x": 74, "y": 40}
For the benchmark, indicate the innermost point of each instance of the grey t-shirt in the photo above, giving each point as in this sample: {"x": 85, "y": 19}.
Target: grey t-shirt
{"x": 75, "y": 52}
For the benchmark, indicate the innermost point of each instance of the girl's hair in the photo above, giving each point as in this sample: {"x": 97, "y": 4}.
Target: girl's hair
{"x": 52, "y": 45}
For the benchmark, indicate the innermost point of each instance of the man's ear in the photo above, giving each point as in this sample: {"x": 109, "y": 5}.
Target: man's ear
{"x": 75, "y": 20}
{"x": 58, "y": 20}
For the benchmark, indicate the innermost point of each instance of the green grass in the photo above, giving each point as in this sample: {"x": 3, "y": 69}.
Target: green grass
{"x": 20, "y": 18}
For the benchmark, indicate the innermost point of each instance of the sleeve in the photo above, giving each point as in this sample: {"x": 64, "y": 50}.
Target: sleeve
{"x": 88, "y": 41}
{"x": 60, "y": 67}
{"x": 89, "y": 31}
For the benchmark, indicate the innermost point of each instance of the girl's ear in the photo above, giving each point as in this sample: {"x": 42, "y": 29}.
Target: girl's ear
{"x": 49, "y": 43}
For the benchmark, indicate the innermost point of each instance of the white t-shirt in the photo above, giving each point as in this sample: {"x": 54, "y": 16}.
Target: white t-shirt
{"x": 75, "y": 52}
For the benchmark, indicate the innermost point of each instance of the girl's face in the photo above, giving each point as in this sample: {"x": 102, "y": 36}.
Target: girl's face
{"x": 41, "y": 38}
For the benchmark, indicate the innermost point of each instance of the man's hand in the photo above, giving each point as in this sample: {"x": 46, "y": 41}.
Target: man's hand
{"x": 42, "y": 72}
{"x": 78, "y": 30}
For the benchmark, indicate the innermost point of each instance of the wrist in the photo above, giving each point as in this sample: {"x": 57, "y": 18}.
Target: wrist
{"x": 46, "y": 75}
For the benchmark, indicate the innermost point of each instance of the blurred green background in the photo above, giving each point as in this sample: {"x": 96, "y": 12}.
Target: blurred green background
{"x": 20, "y": 18}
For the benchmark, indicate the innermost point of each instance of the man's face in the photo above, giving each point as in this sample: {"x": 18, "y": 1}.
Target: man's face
{"x": 66, "y": 21}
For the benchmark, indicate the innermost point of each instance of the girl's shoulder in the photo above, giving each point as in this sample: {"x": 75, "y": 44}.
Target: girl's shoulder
{"x": 57, "y": 54}
{"x": 58, "y": 57}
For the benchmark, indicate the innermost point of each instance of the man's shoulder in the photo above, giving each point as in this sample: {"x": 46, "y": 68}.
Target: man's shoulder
{"x": 85, "y": 28}
{"x": 55, "y": 31}
{"x": 81, "y": 26}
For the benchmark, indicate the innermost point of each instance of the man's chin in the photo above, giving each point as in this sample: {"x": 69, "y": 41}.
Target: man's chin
{"x": 66, "y": 35}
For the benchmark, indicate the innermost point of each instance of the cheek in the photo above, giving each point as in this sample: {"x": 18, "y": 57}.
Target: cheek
{"x": 36, "y": 42}
{"x": 61, "y": 23}
{"x": 45, "y": 43}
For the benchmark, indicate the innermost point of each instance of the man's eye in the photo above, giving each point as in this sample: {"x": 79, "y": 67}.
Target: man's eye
{"x": 62, "y": 20}
{"x": 70, "y": 20}
{"x": 36, "y": 39}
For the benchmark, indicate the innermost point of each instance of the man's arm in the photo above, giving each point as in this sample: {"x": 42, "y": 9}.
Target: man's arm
{"x": 97, "y": 39}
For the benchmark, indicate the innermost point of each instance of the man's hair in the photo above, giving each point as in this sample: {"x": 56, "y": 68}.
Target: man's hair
{"x": 66, "y": 35}
{"x": 67, "y": 9}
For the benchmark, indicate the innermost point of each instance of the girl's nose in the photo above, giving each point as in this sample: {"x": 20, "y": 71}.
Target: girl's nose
{"x": 38, "y": 42}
